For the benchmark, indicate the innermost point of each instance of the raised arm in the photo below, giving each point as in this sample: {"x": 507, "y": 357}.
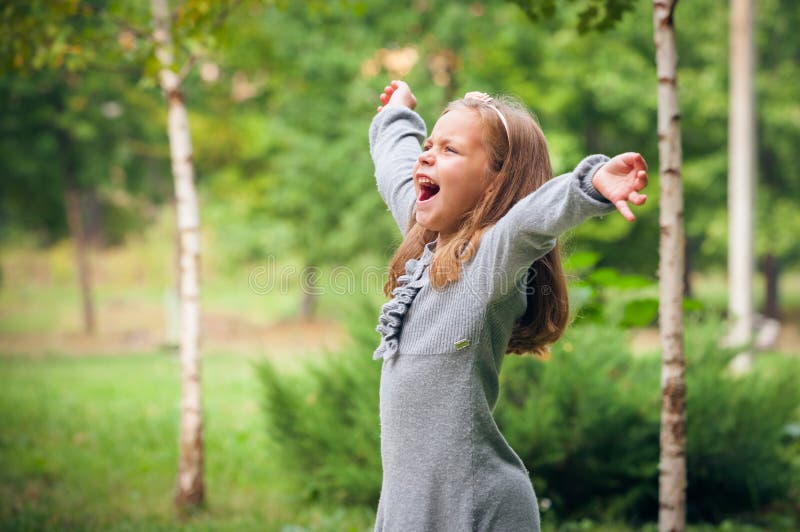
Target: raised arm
{"x": 395, "y": 139}
{"x": 597, "y": 186}
{"x": 530, "y": 229}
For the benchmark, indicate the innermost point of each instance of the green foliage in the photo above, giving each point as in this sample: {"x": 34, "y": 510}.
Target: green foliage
{"x": 586, "y": 424}
{"x": 738, "y": 429}
{"x": 75, "y": 116}
{"x": 325, "y": 426}
{"x": 604, "y": 295}
{"x": 41, "y": 35}
{"x": 282, "y": 122}
{"x": 598, "y": 15}
{"x": 86, "y": 132}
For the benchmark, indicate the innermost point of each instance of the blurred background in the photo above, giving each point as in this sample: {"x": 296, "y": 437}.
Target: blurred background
{"x": 295, "y": 240}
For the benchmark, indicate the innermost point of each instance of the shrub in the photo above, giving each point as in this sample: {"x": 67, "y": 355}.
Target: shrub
{"x": 325, "y": 424}
{"x": 586, "y": 424}
{"x": 737, "y": 428}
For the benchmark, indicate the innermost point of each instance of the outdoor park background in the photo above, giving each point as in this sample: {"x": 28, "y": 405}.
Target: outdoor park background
{"x": 280, "y": 99}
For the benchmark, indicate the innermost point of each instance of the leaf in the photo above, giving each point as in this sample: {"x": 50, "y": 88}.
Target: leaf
{"x": 581, "y": 261}
{"x": 605, "y": 277}
{"x": 611, "y": 278}
{"x": 640, "y": 312}
{"x": 691, "y": 304}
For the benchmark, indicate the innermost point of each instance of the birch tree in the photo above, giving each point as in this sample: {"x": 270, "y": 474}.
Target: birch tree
{"x": 189, "y": 489}
{"x": 741, "y": 176}
{"x": 672, "y": 460}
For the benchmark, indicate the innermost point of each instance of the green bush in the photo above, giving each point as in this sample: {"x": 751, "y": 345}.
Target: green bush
{"x": 737, "y": 429}
{"x": 324, "y": 422}
{"x": 586, "y": 423}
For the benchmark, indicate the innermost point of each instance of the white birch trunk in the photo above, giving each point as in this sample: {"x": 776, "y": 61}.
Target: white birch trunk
{"x": 741, "y": 172}
{"x": 672, "y": 461}
{"x": 189, "y": 489}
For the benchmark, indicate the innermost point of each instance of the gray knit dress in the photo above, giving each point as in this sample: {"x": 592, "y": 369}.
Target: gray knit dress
{"x": 446, "y": 466}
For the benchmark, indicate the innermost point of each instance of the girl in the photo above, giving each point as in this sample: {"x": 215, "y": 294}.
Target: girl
{"x": 476, "y": 276}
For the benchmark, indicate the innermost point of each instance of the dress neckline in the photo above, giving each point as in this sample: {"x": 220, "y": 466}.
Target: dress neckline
{"x": 427, "y": 252}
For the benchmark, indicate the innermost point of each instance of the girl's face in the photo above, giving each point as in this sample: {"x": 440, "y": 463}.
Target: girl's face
{"x": 451, "y": 174}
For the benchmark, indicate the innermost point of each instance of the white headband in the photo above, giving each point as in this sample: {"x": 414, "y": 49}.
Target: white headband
{"x": 483, "y": 97}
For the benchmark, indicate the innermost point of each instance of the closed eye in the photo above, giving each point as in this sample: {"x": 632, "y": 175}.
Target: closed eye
{"x": 450, "y": 149}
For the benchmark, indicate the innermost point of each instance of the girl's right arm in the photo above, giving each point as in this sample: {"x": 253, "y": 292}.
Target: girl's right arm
{"x": 395, "y": 139}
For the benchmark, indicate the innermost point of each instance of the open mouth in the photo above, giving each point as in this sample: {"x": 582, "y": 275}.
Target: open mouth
{"x": 427, "y": 190}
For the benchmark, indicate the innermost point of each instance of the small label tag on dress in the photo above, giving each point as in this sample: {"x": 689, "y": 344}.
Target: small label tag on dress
{"x": 462, "y": 344}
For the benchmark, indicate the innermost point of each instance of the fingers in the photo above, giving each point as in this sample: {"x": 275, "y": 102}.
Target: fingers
{"x": 634, "y": 160}
{"x": 386, "y": 95}
{"x": 397, "y": 83}
{"x": 397, "y": 92}
{"x": 622, "y": 207}
{"x": 639, "y": 162}
{"x": 391, "y": 87}
{"x": 640, "y": 181}
{"x": 636, "y": 198}
{"x": 389, "y": 90}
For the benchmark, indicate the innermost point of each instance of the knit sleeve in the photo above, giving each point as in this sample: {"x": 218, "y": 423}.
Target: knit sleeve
{"x": 395, "y": 139}
{"x": 530, "y": 229}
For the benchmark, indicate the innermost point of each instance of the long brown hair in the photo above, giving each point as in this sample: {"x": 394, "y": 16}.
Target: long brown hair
{"x": 519, "y": 164}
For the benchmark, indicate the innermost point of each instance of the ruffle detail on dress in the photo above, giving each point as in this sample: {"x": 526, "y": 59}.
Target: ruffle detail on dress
{"x": 394, "y": 311}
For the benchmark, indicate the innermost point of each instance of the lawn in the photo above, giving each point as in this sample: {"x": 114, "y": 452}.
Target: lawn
{"x": 90, "y": 443}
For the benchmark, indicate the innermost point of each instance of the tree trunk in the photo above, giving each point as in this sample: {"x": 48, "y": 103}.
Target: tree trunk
{"x": 687, "y": 270}
{"x": 741, "y": 171}
{"x": 672, "y": 462}
{"x": 93, "y": 219}
{"x": 771, "y": 271}
{"x": 189, "y": 491}
{"x": 308, "y": 285}
{"x": 72, "y": 204}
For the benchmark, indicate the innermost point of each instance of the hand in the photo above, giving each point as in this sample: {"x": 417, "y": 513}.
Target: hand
{"x": 620, "y": 180}
{"x": 397, "y": 93}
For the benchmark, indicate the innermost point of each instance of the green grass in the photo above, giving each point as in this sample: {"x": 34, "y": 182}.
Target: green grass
{"x": 90, "y": 443}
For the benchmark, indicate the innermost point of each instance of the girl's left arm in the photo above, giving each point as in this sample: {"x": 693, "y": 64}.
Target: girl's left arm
{"x": 530, "y": 229}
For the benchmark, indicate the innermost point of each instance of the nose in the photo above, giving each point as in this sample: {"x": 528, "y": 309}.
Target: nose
{"x": 426, "y": 157}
